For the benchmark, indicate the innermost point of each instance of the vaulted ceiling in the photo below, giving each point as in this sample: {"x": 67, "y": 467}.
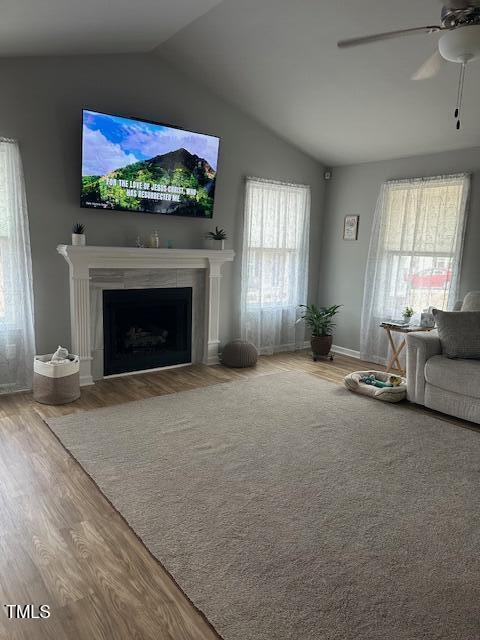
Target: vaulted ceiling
{"x": 277, "y": 60}
{"x": 66, "y": 27}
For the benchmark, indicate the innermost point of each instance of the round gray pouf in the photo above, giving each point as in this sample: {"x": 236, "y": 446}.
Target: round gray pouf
{"x": 239, "y": 354}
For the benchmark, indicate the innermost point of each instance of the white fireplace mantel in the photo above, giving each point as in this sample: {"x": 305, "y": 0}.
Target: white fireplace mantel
{"x": 82, "y": 259}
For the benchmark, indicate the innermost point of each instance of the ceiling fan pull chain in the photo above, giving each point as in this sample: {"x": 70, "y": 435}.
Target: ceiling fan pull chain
{"x": 455, "y": 115}
{"x": 461, "y": 83}
{"x": 459, "y": 88}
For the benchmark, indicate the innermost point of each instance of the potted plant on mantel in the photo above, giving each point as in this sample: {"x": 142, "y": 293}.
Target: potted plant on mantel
{"x": 320, "y": 322}
{"x": 219, "y": 236}
{"x": 78, "y": 235}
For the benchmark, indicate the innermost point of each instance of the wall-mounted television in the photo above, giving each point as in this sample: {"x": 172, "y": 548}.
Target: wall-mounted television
{"x": 136, "y": 165}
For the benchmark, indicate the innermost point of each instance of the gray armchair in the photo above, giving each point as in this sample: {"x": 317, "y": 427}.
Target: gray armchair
{"x": 448, "y": 385}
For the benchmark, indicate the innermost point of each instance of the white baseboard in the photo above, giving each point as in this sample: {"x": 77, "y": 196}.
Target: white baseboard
{"x": 283, "y": 348}
{"x": 346, "y": 352}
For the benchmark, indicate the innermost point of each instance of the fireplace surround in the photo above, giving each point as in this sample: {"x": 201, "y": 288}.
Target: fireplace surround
{"x": 82, "y": 261}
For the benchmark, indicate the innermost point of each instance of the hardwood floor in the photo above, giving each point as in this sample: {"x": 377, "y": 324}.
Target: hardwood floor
{"x": 62, "y": 544}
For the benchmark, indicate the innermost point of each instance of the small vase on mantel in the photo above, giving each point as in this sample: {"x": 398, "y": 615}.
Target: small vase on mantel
{"x": 78, "y": 235}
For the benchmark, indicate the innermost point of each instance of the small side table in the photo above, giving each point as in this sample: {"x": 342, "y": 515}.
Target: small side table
{"x": 394, "y": 362}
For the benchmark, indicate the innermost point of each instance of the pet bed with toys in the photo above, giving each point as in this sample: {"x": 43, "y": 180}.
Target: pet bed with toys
{"x": 377, "y": 384}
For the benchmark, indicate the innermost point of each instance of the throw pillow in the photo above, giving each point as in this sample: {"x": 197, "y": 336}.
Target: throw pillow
{"x": 459, "y": 333}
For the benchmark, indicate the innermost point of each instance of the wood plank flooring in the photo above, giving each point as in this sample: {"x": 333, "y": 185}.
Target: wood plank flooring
{"x": 63, "y": 544}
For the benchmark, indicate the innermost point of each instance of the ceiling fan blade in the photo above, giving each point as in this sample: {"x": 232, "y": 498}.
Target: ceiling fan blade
{"x": 430, "y": 67}
{"x": 353, "y": 42}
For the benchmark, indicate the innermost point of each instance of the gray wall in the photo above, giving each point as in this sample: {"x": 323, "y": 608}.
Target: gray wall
{"x": 41, "y": 107}
{"x": 354, "y": 190}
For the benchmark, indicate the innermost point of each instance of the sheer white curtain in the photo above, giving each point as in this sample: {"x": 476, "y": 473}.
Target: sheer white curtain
{"x": 415, "y": 253}
{"x": 17, "y": 342}
{"x": 274, "y": 264}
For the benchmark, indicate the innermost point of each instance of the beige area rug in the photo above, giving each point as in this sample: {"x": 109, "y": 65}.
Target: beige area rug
{"x": 288, "y": 508}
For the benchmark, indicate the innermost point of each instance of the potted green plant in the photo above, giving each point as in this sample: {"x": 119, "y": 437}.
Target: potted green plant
{"x": 320, "y": 322}
{"x": 407, "y": 314}
{"x": 78, "y": 234}
{"x": 219, "y": 236}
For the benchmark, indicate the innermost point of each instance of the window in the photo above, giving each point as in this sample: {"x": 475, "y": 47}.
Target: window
{"x": 415, "y": 252}
{"x": 275, "y": 263}
{"x": 17, "y": 346}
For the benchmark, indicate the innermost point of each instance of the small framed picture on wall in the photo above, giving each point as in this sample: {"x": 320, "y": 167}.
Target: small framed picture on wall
{"x": 350, "y": 228}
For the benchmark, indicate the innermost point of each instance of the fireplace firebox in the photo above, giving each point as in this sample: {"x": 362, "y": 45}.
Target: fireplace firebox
{"x": 146, "y": 328}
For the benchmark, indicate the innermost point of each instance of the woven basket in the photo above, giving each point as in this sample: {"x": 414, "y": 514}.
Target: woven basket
{"x": 56, "y": 384}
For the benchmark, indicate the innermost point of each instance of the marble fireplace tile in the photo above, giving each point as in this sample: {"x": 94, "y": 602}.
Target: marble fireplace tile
{"x": 145, "y": 278}
{"x": 107, "y": 275}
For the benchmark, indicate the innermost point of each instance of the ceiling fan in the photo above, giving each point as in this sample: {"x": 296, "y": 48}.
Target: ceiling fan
{"x": 459, "y": 42}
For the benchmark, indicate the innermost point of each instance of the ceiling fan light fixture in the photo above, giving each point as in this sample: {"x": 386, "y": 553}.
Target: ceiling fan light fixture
{"x": 461, "y": 45}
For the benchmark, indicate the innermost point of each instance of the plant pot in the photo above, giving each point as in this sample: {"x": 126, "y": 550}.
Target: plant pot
{"x": 406, "y": 319}
{"x": 321, "y": 345}
{"x": 78, "y": 239}
{"x": 210, "y": 244}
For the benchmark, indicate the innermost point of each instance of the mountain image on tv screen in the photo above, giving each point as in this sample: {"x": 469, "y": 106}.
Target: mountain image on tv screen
{"x": 133, "y": 165}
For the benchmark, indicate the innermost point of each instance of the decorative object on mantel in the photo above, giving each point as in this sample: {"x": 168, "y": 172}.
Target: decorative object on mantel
{"x": 155, "y": 240}
{"x": 78, "y": 234}
{"x": 239, "y": 354}
{"x": 219, "y": 236}
{"x": 139, "y": 243}
{"x": 350, "y": 228}
{"x": 320, "y": 322}
{"x": 169, "y": 244}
